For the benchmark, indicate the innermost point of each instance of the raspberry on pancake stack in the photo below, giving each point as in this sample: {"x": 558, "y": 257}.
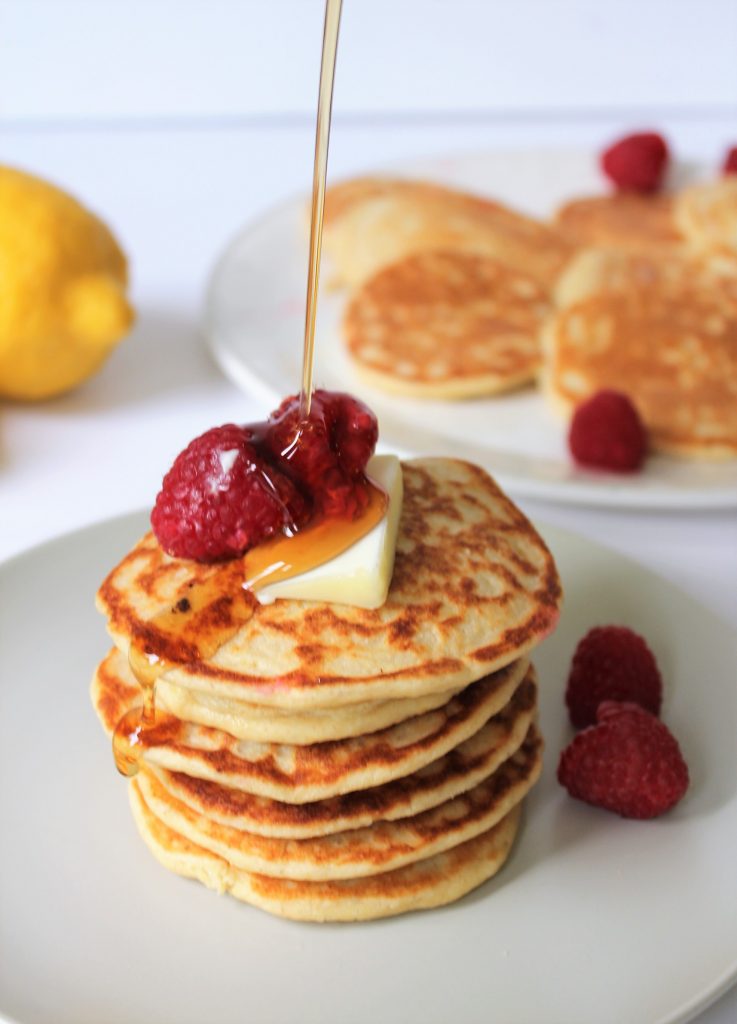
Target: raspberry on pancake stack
{"x": 334, "y": 762}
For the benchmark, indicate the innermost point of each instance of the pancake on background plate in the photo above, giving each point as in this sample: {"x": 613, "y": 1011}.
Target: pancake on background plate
{"x": 707, "y": 216}
{"x": 446, "y": 324}
{"x": 372, "y": 222}
{"x": 623, "y": 220}
{"x": 661, "y": 329}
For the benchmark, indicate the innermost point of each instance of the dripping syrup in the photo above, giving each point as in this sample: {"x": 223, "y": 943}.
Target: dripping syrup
{"x": 191, "y": 631}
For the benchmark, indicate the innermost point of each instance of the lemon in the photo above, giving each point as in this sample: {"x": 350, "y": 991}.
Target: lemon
{"x": 62, "y": 289}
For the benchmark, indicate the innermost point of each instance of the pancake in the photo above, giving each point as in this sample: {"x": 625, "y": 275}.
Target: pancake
{"x": 307, "y": 773}
{"x": 623, "y": 220}
{"x": 274, "y": 725}
{"x": 707, "y": 216}
{"x": 664, "y": 331}
{"x": 446, "y": 324}
{"x": 428, "y": 883}
{"x": 672, "y": 275}
{"x": 474, "y": 588}
{"x": 383, "y": 846}
{"x": 373, "y": 222}
{"x": 458, "y": 770}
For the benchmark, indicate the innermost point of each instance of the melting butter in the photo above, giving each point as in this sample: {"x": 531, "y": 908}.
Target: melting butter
{"x": 361, "y": 575}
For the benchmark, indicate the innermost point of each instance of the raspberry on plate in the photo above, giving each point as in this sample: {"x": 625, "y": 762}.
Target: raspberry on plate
{"x": 607, "y": 433}
{"x": 612, "y": 663}
{"x": 220, "y": 498}
{"x": 636, "y": 163}
{"x": 629, "y": 763}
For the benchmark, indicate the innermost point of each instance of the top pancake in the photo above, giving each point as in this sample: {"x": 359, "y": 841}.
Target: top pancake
{"x": 623, "y": 220}
{"x": 371, "y": 222}
{"x": 474, "y": 587}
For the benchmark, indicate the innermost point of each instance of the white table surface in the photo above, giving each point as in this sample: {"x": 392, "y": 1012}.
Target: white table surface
{"x": 175, "y": 196}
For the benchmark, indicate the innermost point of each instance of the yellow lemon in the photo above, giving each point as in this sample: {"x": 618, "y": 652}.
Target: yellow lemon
{"x": 62, "y": 289}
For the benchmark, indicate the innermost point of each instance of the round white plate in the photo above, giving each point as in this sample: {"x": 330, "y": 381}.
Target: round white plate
{"x": 593, "y": 918}
{"x": 254, "y": 318}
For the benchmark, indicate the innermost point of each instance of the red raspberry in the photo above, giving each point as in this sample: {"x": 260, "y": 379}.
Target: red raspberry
{"x": 730, "y": 161}
{"x": 637, "y": 162}
{"x": 607, "y": 433}
{"x": 612, "y": 663}
{"x": 220, "y": 498}
{"x": 629, "y": 763}
{"x": 334, "y": 446}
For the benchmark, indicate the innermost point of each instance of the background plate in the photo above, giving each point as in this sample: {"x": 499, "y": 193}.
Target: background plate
{"x": 254, "y": 318}
{"x": 592, "y": 919}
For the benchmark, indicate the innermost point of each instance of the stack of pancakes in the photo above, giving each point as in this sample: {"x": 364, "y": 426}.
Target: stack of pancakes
{"x": 336, "y": 763}
{"x": 455, "y": 296}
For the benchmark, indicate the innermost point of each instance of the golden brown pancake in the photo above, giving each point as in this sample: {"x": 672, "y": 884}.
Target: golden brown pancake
{"x": 274, "y": 725}
{"x": 623, "y": 220}
{"x": 307, "y": 773}
{"x": 383, "y": 846}
{"x": 460, "y": 769}
{"x": 446, "y": 324}
{"x": 427, "y": 883}
{"x": 662, "y": 330}
{"x": 474, "y": 588}
{"x": 707, "y": 216}
{"x": 373, "y": 222}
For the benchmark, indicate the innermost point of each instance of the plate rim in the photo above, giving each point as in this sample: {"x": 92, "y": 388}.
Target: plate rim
{"x": 125, "y": 520}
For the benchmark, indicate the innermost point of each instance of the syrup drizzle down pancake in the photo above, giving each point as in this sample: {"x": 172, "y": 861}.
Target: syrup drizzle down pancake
{"x": 460, "y": 769}
{"x": 427, "y": 883}
{"x": 446, "y": 324}
{"x": 383, "y": 846}
{"x": 474, "y": 588}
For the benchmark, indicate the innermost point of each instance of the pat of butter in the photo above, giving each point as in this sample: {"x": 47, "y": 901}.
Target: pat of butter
{"x": 362, "y": 574}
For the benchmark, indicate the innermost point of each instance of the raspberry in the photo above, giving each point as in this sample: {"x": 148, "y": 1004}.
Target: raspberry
{"x": 629, "y": 763}
{"x": 607, "y": 433}
{"x": 612, "y": 663}
{"x": 335, "y": 444}
{"x": 636, "y": 163}
{"x": 730, "y": 161}
{"x": 220, "y": 498}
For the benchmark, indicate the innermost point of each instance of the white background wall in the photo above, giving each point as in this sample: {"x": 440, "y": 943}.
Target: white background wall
{"x": 83, "y": 60}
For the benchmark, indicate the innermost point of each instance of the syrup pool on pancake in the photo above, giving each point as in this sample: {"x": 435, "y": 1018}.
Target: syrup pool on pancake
{"x": 261, "y": 503}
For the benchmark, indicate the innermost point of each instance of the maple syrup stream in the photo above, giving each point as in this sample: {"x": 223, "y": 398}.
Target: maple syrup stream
{"x": 190, "y": 630}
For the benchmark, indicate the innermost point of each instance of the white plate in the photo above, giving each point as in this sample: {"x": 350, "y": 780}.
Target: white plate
{"x": 254, "y": 322}
{"x": 593, "y": 918}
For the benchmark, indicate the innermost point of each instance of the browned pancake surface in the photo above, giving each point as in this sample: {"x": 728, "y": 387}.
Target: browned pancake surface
{"x": 664, "y": 331}
{"x": 460, "y": 769}
{"x": 446, "y": 323}
{"x": 300, "y": 774}
{"x": 622, "y": 220}
{"x": 474, "y": 587}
